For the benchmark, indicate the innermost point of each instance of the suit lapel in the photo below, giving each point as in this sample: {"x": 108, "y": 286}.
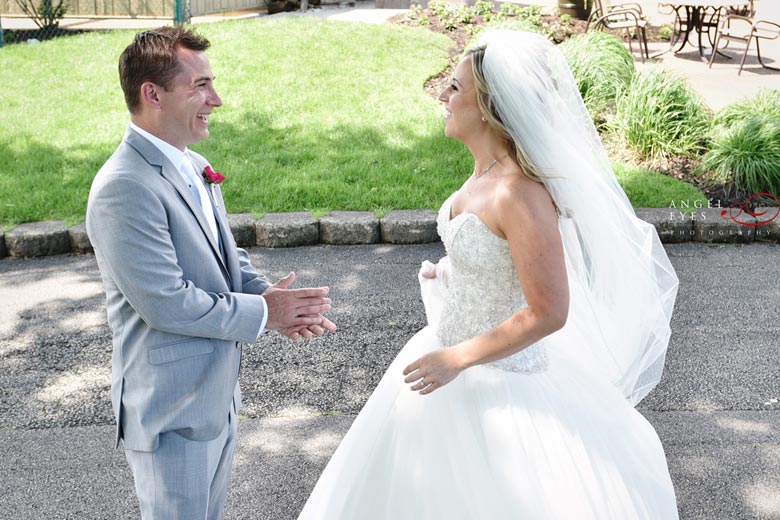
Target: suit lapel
{"x": 234, "y": 269}
{"x": 169, "y": 172}
{"x": 230, "y": 259}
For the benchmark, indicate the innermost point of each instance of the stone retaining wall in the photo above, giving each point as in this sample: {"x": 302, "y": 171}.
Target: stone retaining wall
{"x": 397, "y": 227}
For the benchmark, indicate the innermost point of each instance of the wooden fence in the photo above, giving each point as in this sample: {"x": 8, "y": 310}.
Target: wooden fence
{"x": 138, "y": 8}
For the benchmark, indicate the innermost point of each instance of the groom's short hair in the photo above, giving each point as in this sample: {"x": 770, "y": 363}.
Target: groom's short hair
{"x": 152, "y": 57}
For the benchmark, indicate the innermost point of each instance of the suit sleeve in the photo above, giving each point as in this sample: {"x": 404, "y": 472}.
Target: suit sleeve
{"x": 253, "y": 282}
{"x": 127, "y": 224}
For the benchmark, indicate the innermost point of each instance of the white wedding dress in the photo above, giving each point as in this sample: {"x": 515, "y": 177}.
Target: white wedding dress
{"x": 531, "y": 436}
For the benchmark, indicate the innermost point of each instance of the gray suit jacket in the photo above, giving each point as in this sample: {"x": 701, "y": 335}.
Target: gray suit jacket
{"x": 178, "y": 310}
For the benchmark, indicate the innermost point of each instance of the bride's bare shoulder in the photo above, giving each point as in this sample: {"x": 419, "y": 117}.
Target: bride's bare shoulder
{"x": 518, "y": 195}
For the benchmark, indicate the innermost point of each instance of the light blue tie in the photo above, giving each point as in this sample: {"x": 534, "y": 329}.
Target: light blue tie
{"x": 194, "y": 187}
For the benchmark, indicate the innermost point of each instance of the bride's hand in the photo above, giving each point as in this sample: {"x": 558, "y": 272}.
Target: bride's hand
{"x": 439, "y": 270}
{"x": 433, "y": 370}
{"x": 428, "y": 269}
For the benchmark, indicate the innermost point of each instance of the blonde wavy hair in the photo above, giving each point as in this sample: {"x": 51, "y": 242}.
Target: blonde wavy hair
{"x": 489, "y": 112}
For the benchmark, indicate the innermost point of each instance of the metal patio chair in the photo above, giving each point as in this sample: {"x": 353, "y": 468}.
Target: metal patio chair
{"x": 621, "y": 17}
{"x": 763, "y": 25}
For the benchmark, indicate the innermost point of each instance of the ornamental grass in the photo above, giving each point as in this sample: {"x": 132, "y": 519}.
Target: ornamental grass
{"x": 745, "y": 158}
{"x": 603, "y": 68}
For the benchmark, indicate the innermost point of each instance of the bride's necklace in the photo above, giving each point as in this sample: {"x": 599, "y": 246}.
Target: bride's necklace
{"x": 477, "y": 176}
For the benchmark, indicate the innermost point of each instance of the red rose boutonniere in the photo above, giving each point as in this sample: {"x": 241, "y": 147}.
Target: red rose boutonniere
{"x": 211, "y": 176}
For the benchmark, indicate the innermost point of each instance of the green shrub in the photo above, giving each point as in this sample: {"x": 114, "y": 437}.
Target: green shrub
{"x": 482, "y": 8}
{"x": 603, "y": 69}
{"x": 665, "y": 32}
{"x": 513, "y": 10}
{"x": 515, "y": 24}
{"x": 465, "y": 14}
{"x": 661, "y": 117}
{"x": 510, "y": 9}
{"x": 531, "y": 12}
{"x": 765, "y": 103}
{"x": 415, "y": 11}
{"x": 441, "y": 8}
{"x": 46, "y": 15}
{"x": 745, "y": 158}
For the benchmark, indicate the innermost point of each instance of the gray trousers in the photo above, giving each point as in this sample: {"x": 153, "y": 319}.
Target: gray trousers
{"x": 184, "y": 479}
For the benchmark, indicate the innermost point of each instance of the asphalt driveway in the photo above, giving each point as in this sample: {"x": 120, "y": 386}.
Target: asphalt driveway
{"x": 716, "y": 409}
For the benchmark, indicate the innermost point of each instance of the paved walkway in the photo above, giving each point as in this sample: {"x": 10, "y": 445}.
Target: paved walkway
{"x": 716, "y": 409}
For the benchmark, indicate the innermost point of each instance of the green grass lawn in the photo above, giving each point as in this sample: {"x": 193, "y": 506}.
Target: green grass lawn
{"x": 648, "y": 189}
{"x": 317, "y": 116}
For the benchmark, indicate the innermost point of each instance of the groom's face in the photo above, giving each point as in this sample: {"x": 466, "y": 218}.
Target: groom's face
{"x": 186, "y": 107}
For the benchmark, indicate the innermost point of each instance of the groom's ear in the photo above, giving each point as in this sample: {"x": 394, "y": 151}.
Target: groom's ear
{"x": 149, "y": 94}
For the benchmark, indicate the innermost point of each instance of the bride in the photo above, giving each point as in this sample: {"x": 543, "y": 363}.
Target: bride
{"x": 548, "y": 321}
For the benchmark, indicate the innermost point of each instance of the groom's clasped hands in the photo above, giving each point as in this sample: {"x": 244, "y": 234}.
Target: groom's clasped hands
{"x": 298, "y": 313}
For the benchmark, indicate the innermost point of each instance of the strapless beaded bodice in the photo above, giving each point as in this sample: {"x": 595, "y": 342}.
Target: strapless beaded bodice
{"x": 482, "y": 287}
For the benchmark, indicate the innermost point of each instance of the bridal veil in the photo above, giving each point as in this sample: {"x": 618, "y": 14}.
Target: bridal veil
{"x": 622, "y": 285}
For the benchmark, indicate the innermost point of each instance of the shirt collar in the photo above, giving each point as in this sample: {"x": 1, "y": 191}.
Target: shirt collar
{"x": 173, "y": 154}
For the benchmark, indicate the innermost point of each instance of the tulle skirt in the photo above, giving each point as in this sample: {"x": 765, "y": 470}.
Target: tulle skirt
{"x": 495, "y": 445}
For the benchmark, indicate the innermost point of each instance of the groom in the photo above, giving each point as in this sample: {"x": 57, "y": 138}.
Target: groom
{"x": 181, "y": 297}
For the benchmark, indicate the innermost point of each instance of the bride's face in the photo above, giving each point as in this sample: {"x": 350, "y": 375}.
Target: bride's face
{"x": 461, "y": 112}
